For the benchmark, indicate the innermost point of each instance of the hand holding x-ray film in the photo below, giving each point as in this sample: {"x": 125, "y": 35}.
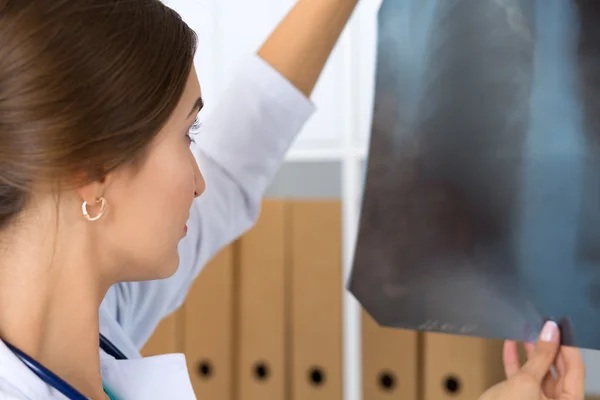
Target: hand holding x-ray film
{"x": 481, "y": 211}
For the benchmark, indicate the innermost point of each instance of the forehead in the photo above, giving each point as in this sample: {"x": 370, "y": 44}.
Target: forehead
{"x": 190, "y": 95}
{"x": 184, "y": 113}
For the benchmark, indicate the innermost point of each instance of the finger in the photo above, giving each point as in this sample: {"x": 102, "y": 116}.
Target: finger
{"x": 573, "y": 384}
{"x": 550, "y": 383}
{"x": 510, "y": 356}
{"x": 550, "y": 386}
{"x": 529, "y": 347}
{"x": 560, "y": 372}
{"x": 544, "y": 353}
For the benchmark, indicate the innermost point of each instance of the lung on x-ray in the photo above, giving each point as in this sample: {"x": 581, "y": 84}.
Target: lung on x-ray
{"x": 481, "y": 209}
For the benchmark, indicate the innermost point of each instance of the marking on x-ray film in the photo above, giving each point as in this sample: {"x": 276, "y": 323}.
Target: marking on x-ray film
{"x": 446, "y": 327}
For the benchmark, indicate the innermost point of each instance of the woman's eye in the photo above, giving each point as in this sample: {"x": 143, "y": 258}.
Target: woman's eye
{"x": 196, "y": 125}
{"x": 194, "y": 130}
{"x": 190, "y": 137}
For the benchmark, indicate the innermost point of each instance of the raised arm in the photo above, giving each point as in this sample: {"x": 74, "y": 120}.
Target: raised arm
{"x": 241, "y": 147}
{"x": 301, "y": 44}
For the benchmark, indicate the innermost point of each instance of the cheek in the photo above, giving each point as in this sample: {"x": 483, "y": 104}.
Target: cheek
{"x": 160, "y": 198}
{"x": 174, "y": 185}
{"x": 147, "y": 220}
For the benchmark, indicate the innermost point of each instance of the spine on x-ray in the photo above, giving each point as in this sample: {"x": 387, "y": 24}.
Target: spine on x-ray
{"x": 473, "y": 116}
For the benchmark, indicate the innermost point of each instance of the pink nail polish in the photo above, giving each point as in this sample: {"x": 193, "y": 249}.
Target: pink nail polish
{"x": 549, "y": 332}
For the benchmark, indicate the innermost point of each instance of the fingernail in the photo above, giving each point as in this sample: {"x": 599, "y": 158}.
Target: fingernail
{"x": 549, "y": 332}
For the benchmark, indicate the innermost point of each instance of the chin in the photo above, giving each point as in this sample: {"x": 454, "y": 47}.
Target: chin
{"x": 153, "y": 266}
{"x": 149, "y": 268}
{"x": 168, "y": 268}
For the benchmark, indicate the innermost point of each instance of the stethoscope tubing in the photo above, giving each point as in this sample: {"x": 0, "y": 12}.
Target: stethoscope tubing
{"x": 55, "y": 381}
{"x": 46, "y": 375}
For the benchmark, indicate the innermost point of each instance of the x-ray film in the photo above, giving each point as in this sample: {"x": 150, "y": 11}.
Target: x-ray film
{"x": 481, "y": 209}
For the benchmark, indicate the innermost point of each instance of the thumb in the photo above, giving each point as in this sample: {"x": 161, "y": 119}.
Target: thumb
{"x": 544, "y": 353}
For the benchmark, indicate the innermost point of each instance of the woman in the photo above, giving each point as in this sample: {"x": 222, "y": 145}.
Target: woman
{"x": 98, "y": 178}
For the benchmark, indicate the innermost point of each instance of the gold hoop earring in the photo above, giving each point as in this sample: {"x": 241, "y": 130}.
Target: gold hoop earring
{"x": 87, "y": 216}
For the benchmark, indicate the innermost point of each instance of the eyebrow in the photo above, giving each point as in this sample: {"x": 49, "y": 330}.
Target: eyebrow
{"x": 198, "y": 105}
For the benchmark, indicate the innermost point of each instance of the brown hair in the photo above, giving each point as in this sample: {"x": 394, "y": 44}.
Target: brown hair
{"x": 85, "y": 86}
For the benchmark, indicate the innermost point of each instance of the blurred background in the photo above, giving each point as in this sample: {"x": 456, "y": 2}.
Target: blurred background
{"x": 269, "y": 317}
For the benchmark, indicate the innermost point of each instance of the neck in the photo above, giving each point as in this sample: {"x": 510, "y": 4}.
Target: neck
{"x": 49, "y": 305}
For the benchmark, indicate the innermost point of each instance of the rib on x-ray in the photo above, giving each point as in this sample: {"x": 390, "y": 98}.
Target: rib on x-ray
{"x": 481, "y": 210}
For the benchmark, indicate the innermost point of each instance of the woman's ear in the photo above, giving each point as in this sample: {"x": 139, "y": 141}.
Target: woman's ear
{"x": 93, "y": 190}
{"x": 92, "y": 194}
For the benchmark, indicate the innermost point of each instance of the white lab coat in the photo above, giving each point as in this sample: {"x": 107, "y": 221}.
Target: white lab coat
{"x": 242, "y": 145}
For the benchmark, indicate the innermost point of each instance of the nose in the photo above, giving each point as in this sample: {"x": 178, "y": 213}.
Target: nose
{"x": 199, "y": 182}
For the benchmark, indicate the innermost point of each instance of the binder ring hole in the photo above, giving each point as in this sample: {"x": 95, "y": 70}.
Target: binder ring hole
{"x": 261, "y": 371}
{"x": 205, "y": 368}
{"x": 387, "y": 380}
{"x": 316, "y": 376}
{"x": 452, "y": 384}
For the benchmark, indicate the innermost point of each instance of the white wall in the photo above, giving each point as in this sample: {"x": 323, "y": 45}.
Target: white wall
{"x": 328, "y": 156}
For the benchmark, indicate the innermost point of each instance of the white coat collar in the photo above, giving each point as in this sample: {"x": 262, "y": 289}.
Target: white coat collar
{"x": 151, "y": 378}
{"x": 18, "y": 375}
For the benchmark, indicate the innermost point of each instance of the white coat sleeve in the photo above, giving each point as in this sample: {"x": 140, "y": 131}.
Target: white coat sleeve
{"x": 240, "y": 148}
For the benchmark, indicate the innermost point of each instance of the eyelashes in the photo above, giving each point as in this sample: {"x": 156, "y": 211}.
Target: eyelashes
{"x": 195, "y": 126}
{"x": 194, "y": 130}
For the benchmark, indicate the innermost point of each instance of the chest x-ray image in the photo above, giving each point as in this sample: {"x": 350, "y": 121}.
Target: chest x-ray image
{"x": 481, "y": 208}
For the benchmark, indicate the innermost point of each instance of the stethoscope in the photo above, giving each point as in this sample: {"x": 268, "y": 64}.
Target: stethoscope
{"x": 52, "y": 379}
